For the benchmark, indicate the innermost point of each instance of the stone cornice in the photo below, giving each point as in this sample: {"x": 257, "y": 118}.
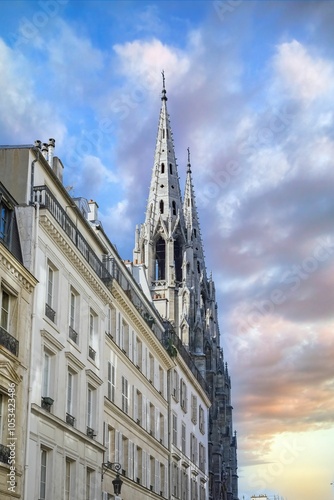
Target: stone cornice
{"x": 50, "y": 418}
{"x": 12, "y": 266}
{"x": 74, "y": 256}
{"x": 140, "y": 323}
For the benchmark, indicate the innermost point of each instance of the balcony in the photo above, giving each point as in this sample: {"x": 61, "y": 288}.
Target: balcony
{"x": 70, "y": 419}
{"x": 9, "y": 342}
{"x": 92, "y": 353}
{"x": 50, "y": 313}
{"x": 72, "y": 334}
{"x": 4, "y": 454}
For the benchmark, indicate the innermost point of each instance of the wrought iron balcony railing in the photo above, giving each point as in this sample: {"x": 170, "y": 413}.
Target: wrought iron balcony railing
{"x": 72, "y": 334}
{"x": 9, "y": 342}
{"x": 50, "y": 313}
{"x": 70, "y": 419}
{"x": 92, "y": 353}
{"x": 4, "y": 454}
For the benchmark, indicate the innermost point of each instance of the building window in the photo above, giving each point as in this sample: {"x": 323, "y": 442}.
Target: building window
{"x": 69, "y": 478}
{"x": 161, "y": 206}
{"x": 74, "y": 316}
{"x": 138, "y": 465}
{"x": 201, "y": 420}
{"x": 173, "y": 207}
{"x": 160, "y": 256}
{"x": 43, "y": 472}
{"x": 125, "y": 338}
{"x": 162, "y": 164}
{"x": 89, "y": 484}
{"x": 162, "y": 428}
{"x": 161, "y": 381}
{"x": 6, "y": 324}
{"x": 152, "y": 419}
{"x": 111, "y": 444}
{"x": 202, "y": 457}
{"x": 194, "y": 409}
{"x": 194, "y": 489}
{"x": 92, "y": 335}
{"x": 171, "y": 169}
{"x": 138, "y": 406}
{"x": 193, "y": 448}
{"x": 91, "y": 405}
{"x": 162, "y": 479}
{"x": 185, "y": 487}
{"x": 111, "y": 382}
{"x": 125, "y": 395}
{"x": 174, "y": 429}
{"x": 139, "y": 354}
{"x": 50, "y": 306}
{"x": 6, "y": 215}
{"x": 111, "y": 321}
{"x": 175, "y": 480}
{"x": 47, "y": 400}
{"x": 183, "y": 396}
{"x": 202, "y": 492}
{"x": 176, "y": 385}
{"x": 183, "y": 438}
{"x": 5, "y": 310}
{"x": 70, "y": 398}
{"x": 151, "y": 367}
{"x": 125, "y": 455}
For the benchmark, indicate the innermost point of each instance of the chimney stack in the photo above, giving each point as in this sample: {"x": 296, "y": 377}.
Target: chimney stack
{"x": 38, "y": 144}
{"x": 93, "y": 213}
{"x": 51, "y": 147}
{"x": 45, "y": 150}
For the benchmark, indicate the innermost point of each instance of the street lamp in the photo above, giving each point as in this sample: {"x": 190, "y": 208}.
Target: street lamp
{"x": 117, "y": 485}
{"x": 117, "y": 482}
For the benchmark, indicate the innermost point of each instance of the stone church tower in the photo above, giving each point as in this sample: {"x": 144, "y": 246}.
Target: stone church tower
{"x": 169, "y": 247}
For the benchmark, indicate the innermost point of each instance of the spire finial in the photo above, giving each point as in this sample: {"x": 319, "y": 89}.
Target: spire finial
{"x": 163, "y": 97}
{"x": 188, "y": 164}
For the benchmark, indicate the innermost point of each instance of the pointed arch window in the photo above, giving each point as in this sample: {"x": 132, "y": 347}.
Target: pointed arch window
{"x": 178, "y": 260}
{"x": 174, "y": 207}
{"x": 162, "y": 168}
{"x": 160, "y": 259}
{"x": 161, "y": 206}
{"x": 171, "y": 168}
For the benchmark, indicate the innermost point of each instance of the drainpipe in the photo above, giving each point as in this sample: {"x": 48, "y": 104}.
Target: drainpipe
{"x": 33, "y": 320}
{"x": 36, "y": 148}
{"x": 169, "y": 398}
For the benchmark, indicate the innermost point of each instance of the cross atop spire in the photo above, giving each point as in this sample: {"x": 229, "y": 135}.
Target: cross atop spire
{"x": 163, "y": 97}
{"x": 188, "y": 164}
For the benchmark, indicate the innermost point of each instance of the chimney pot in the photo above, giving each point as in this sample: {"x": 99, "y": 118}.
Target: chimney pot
{"x": 38, "y": 144}
{"x": 51, "y": 146}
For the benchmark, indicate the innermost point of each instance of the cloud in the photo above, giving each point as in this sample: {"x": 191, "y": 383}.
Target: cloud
{"x": 301, "y": 75}
{"x": 24, "y": 115}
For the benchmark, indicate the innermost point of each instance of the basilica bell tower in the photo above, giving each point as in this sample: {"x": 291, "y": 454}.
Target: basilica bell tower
{"x": 169, "y": 247}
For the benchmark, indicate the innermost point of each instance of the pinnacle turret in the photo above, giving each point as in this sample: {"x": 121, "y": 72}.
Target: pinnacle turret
{"x": 194, "y": 238}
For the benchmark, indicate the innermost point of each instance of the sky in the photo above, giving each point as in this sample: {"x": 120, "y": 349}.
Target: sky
{"x": 250, "y": 88}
